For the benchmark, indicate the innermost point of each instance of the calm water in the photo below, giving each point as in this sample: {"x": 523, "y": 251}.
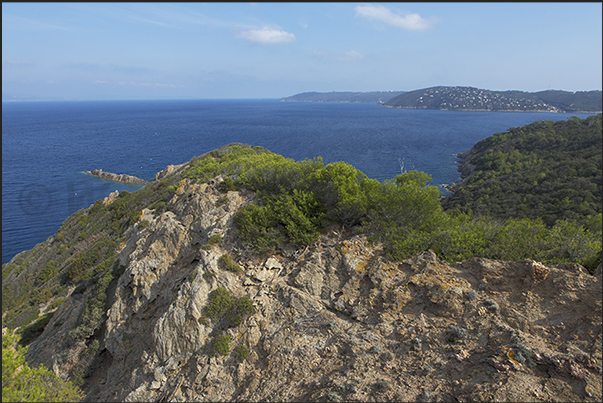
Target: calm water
{"x": 46, "y": 146}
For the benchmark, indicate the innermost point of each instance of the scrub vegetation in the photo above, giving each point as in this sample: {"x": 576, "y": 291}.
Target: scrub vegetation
{"x": 21, "y": 383}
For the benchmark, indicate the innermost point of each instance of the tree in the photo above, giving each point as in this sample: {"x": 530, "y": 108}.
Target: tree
{"x": 20, "y": 383}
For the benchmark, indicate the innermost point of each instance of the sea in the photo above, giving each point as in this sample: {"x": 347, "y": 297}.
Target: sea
{"x": 47, "y": 146}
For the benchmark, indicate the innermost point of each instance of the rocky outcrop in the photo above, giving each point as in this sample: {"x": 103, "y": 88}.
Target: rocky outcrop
{"x": 170, "y": 169}
{"x": 133, "y": 180}
{"x": 335, "y": 321}
{"x": 121, "y": 178}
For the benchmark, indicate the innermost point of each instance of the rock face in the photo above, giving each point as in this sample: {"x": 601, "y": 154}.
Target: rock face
{"x": 170, "y": 169}
{"x": 133, "y": 180}
{"x": 335, "y": 321}
{"x": 122, "y": 178}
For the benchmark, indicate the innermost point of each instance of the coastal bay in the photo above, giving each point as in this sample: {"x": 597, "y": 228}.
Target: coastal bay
{"x": 142, "y": 138}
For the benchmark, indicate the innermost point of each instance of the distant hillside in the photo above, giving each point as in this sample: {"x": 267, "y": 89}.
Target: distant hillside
{"x": 469, "y": 98}
{"x": 547, "y": 170}
{"x": 367, "y": 97}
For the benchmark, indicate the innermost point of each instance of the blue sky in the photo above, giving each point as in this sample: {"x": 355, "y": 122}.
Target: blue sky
{"x": 80, "y": 51}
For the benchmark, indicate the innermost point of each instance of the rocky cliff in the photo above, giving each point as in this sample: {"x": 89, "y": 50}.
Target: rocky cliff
{"x": 333, "y": 321}
{"x": 121, "y": 178}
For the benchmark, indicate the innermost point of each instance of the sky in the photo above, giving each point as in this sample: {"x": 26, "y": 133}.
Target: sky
{"x": 111, "y": 51}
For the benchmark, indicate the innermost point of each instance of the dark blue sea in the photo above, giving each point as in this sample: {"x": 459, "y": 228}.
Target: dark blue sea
{"x": 46, "y": 146}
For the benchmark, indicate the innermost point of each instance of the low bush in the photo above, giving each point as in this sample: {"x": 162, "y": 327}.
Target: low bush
{"x": 221, "y": 201}
{"x": 220, "y": 300}
{"x": 214, "y": 239}
{"x": 226, "y": 262}
{"x": 241, "y": 352}
{"x": 21, "y": 383}
{"x": 221, "y": 345}
{"x": 228, "y": 310}
{"x": 227, "y": 184}
{"x": 94, "y": 310}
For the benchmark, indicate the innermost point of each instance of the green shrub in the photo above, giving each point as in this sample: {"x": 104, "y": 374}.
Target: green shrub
{"x": 143, "y": 224}
{"x": 96, "y": 207}
{"x": 226, "y": 262}
{"x": 193, "y": 275}
{"x": 257, "y": 227}
{"x": 48, "y": 272}
{"x": 159, "y": 207}
{"x": 220, "y": 300}
{"x": 21, "y": 383}
{"x": 56, "y": 303}
{"x": 59, "y": 237}
{"x": 221, "y": 345}
{"x": 227, "y": 184}
{"x": 241, "y": 352}
{"x": 22, "y": 316}
{"x": 214, "y": 239}
{"x": 94, "y": 310}
{"x": 241, "y": 308}
{"x": 40, "y": 296}
{"x": 222, "y": 306}
{"x": 221, "y": 201}
{"x": 81, "y": 266}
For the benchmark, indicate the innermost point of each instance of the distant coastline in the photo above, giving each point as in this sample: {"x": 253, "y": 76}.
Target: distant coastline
{"x": 468, "y": 99}
{"x": 373, "y": 97}
{"x": 491, "y": 110}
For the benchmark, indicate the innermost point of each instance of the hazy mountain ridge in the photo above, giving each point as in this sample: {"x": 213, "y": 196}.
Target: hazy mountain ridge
{"x": 467, "y": 98}
{"x": 366, "y": 97}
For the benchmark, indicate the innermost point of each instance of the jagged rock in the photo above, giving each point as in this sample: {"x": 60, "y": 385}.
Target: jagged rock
{"x": 170, "y": 169}
{"x": 335, "y": 321}
{"x": 121, "y": 178}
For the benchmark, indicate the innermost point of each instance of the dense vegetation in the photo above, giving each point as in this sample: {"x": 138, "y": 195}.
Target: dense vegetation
{"x": 296, "y": 201}
{"x": 470, "y": 98}
{"x": 21, "y": 383}
{"x": 547, "y": 170}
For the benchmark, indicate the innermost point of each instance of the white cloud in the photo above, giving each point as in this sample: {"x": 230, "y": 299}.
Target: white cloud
{"x": 350, "y": 56}
{"x": 379, "y": 13}
{"x": 267, "y": 35}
